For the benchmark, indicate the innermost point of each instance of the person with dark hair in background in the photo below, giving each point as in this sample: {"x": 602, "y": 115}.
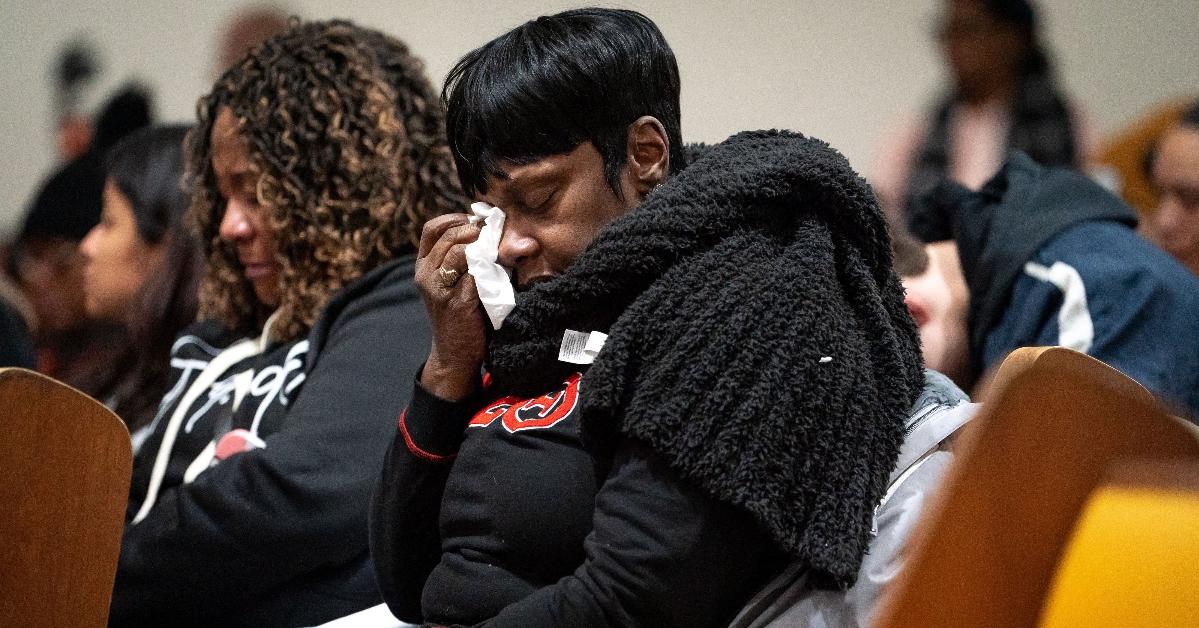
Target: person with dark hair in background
{"x": 245, "y": 30}
{"x": 1003, "y": 96}
{"x": 46, "y": 263}
{"x": 1174, "y": 170}
{"x": 313, "y": 166}
{"x": 1049, "y": 257}
{"x": 753, "y": 361}
{"x": 143, "y": 266}
{"x": 935, "y": 292}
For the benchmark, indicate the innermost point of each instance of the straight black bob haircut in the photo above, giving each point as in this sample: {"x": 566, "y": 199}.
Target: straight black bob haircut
{"x": 555, "y": 82}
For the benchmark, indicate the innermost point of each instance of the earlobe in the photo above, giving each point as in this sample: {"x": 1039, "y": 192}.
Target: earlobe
{"x": 648, "y": 154}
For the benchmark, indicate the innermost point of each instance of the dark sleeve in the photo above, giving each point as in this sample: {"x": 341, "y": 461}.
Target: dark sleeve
{"x": 405, "y": 540}
{"x": 16, "y": 346}
{"x": 1030, "y": 319}
{"x": 269, "y": 516}
{"x": 662, "y": 553}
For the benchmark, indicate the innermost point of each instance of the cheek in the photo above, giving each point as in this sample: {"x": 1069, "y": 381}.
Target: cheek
{"x": 598, "y": 216}
{"x": 127, "y": 251}
{"x": 1168, "y": 222}
{"x": 932, "y": 342}
{"x": 571, "y": 240}
{"x": 562, "y": 243}
{"x": 1190, "y": 219}
{"x": 120, "y": 264}
{"x": 264, "y": 238}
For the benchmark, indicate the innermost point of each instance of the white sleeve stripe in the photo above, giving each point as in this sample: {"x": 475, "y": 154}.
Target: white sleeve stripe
{"x": 1076, "y": 330}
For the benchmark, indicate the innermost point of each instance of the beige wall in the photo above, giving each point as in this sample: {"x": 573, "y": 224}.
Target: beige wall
{"x": 842, "y": 70}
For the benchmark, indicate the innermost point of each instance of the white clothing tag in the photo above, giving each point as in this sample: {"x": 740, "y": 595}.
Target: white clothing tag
{"x": 580, "y": 347}
{"x": 491, "y": 279}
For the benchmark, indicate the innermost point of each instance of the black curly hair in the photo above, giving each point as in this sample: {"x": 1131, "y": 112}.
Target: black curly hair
{"x": 347, "y": 136}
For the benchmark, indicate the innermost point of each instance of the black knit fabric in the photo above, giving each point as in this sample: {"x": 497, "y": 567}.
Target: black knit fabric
{"x": 758, "y": 340}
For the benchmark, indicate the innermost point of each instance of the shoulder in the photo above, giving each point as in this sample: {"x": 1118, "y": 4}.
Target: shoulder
{"x": 382, "y": 307}
{"x": 391, "y": 282}
{"x": 1110, "y": 257}
{"x": 203, "y": 339}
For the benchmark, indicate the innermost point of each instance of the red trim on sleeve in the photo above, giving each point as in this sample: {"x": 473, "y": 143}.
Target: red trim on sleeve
{"x": 412, "y": 446}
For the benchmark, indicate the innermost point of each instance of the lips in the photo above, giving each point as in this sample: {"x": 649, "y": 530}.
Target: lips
{"x": 527, "y": 285}
{"x": 257, "y": 270}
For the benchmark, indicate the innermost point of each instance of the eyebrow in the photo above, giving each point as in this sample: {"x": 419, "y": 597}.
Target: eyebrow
{"x": 533, "y": 173}
{"x": 237, "y": 175}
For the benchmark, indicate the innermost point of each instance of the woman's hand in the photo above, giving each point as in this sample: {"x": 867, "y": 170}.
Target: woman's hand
{"x": 459, "y": 335}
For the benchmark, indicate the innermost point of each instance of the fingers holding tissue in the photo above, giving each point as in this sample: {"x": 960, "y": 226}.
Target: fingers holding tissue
{"x": 491, "y": 279}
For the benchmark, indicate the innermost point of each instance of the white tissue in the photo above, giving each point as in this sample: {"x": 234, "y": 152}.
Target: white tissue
{"x": 491, "y": 279}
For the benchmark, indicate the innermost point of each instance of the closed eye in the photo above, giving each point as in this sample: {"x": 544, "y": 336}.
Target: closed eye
{"x": 541, "y": 203}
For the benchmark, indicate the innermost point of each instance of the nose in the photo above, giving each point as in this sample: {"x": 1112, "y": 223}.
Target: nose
{"x": 236, "y": 225}
{"x": 1166, "y": 221}
{"x": 87, "y": 248}
{"x": 515, "y": 247}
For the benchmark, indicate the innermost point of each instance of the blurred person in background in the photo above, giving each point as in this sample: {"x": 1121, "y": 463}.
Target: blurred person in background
{"x": 143, "y": 266}
{"x": 1048, "y": 257}
{"x": 315, "y": 161}
{"x": 1174, "y": 170}
{"x": 1127, "y": 153}
{"x": 76, "y": 71}
{"x": 936, "y": 295}
{"x": 1003, "y": 95}
{"x": 245, "y": 30}
{"x": 46, "y": 263}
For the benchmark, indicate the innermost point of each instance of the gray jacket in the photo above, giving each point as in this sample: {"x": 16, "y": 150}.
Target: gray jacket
{"x": 924, "y": 457}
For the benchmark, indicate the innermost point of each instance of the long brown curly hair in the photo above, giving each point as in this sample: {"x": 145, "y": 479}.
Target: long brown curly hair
{"x": 348, "y": 140}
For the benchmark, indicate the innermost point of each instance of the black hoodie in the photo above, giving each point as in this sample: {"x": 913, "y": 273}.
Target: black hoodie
{"x": 746, "y": 410}
{"x": 276, "y": 535}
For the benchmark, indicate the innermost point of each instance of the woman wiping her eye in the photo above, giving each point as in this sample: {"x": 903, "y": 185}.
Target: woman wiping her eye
{"x": 709, "y": 443}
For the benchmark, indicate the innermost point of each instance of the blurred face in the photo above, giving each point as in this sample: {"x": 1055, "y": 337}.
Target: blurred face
{"x": 1174, "y": 224}
{"x": 118, "y": 260}
{"x": 938, "y": 300}
{"x": 50, "y": 271}
{"x": 554, "y": 208}
{"x": 245, "y": 223}
{"x": 977, "y": 47}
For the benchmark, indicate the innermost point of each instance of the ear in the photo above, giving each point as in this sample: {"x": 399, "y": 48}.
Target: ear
{"x": 648, "y": 159}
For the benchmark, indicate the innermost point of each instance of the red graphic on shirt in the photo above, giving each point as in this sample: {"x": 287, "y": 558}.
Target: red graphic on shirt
{"x": 517, "y": 414}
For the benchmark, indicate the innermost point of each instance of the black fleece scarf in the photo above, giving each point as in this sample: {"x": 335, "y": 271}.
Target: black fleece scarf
{"x": 758, "y": 339}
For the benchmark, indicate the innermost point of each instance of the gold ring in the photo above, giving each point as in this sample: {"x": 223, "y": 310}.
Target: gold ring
{"x": 448, "y": 276}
